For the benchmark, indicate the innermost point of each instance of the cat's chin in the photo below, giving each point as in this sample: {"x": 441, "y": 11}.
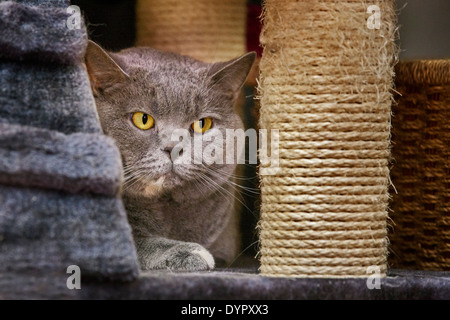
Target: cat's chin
{"x": 154, "y": 188}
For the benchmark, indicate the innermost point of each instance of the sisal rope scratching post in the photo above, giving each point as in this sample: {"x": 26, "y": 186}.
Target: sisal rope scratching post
{"x": 326, "y": 82}
{"x": 208, "y": 30}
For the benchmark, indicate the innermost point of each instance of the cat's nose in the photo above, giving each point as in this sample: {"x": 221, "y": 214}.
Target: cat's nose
{"x": 169, "y": 148}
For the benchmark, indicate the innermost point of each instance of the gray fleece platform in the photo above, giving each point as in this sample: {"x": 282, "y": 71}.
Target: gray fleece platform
{"x": 60, "y": 181}
{"x": 60, "y": 177}
{"x": 239, "y": 284}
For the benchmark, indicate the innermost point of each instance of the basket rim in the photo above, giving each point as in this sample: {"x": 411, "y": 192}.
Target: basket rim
{"x": 428, "y": 72}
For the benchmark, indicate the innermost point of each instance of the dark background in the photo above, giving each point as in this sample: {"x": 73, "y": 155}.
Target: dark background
{"x": 424, "y": 29}
{"x": 111, "y": 23}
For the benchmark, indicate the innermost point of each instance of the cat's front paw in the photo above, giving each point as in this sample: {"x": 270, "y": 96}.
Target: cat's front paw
{"x": 182, "y": 256}
{"x": 192, "y": 259}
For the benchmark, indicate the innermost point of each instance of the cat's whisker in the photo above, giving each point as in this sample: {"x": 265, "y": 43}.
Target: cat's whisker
{"x": 209, "y": 183}
{"x": 220, "y": 187}
{"x": 239, "y": 193}
{"x": 241, "y": 253}
{"x": 133, "y": 179}
{"x": 233, "y": 175}
{"x": 217, "y": 175}
{"x": 128, "y": 168}
{"x": 130, "y": 185}
{"x": 236, "y": 189}
{"x": 128, "y": 172}
{"x": 133, "y": 173}
{"x": 198, "y": 187}
{"x": 128, "y": 165}
{"x": 220, "y": 169}
{"x": 199, "y": 184}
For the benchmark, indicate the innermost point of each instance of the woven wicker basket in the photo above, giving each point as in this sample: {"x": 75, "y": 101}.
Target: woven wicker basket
{"x": 421, "y": 173}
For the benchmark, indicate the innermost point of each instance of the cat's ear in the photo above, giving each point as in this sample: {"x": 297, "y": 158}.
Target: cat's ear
{"x": 231, "y": 75}
{"x": 103, "y": 69}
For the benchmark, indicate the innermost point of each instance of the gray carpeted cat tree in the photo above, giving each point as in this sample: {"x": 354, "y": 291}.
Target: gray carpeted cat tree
{"x": 60, "y": 180}
{"x": 59, "y": 175}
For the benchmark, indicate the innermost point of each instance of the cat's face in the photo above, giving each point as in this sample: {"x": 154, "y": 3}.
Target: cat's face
{"x": 145, "y": 96}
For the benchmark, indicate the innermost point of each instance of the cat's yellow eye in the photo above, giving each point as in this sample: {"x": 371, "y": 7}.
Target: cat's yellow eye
{"x": 142, "y": 120}
{"x": 202, "y": 125}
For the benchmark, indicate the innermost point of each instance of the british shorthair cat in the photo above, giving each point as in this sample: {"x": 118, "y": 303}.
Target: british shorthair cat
{"x": 183, "y": 214}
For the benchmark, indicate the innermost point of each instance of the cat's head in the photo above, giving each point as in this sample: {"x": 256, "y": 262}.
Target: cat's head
{"x": 144, "y": 96}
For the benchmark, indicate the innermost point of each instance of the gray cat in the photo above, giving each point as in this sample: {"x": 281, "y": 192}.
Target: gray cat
{"x": 182, "y": 214}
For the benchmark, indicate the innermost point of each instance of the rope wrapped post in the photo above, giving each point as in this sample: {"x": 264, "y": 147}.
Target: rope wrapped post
{"x": 421, "y": 174}
{"x": 326, "y": 80}
{"x": 208, "y": 30}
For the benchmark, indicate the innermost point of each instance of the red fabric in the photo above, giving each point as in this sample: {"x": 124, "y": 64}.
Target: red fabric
{"x": 254, "y": 28}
